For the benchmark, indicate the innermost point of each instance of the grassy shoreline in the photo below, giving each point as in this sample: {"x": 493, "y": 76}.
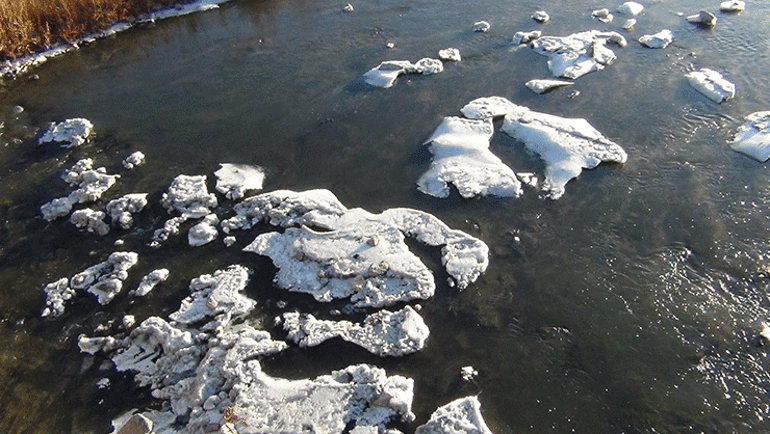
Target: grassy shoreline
{"x": 30, "y": 26}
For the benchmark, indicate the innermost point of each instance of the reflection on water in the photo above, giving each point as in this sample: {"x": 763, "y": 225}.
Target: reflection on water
{"x": 632, "y": 304}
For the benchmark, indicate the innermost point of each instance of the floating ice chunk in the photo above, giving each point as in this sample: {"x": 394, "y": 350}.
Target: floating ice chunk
{"x": 218, "y": 295}
{"x": 170, "y": 227}
{"x": 704, "y": 18}
{"x": 229, "y": 240}
{"x": 56, "y": 293}
{"x": 490, "y": 107}
{"x": 461, "y": 156}
{"x": 133, "y": 160}
{"x": 450, "y": 54}
{"x": 121, "y": 210}
{"x": 149, "y": 282}
{"x": 578, "y": 54}
{"x": 526, "y": 37}
{"x": 70, "y": 133}
{"x": 528, "y": 178}
{"x": 711, "y": 84}
{"x": 657, "y": 40}
{"x": 90, "y": 219}
{"x": 234, "y": 180}
{"x": 383, "y": 333}
{"x": 566, "y": 145}
{"x": 468, "y": 373}
{"x": 348, "y": 8}
{"x": 427, "y": 66}
{"x": 462, "y": 416}
{"x": 481, "y": 26}
{"x": 602, "y": 15}
{"x": 542, "y": 86}
{"x": 203, "y": 232}
{"x": 189, "y": 196}
{"x": 630, "y": 8}
{"x": 629, "y": 24}
{"x": 541, "y": 16}
{"x": 753, "y": 137}
{"x": 105, "y": 280}
{"x": 385, "y": 74}
{"x": 91, "y": 185}
{"x": 732, "y": 6}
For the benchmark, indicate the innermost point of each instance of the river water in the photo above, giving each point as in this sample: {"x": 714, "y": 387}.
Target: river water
{"x": 633, "y": 304}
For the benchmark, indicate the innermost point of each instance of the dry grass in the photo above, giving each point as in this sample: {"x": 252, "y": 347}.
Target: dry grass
{"x": 28, "y": 26}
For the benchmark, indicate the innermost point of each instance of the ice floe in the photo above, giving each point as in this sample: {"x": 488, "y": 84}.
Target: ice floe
{"x": 657, "y": 40}
{"x": 92, "y": 183}
{"x": 704, "y": 18}
{"x": 711, "y": 84}
{"x": 461, "y": 157}
{"x": 234, "y": 180}
{"x": 122, "y": 210}
{"x": 630, "y": 8}
{"x": 541, "y": 16}
{"x": 450, "y": 55}
{"x": 383, "y": 333}
{"x": 481, "y": 26}
{"x": 753, "y": 137}
{"x": 578, "y": 54}
{"x": 91, "y": 220}
{"x": 732, "y": 6}
{"x": 602, "y": 15}
{"x": 526, "y": 37}
{"x": 133, "y": 160}
{"x": 385, "y": 74}
{"x": 462, "y": 416}
{"x": 150, "y": 281}
{"x": 189, "y": 196}
{"x": 544, "y": 85}
{"x": 69, "y": 133}
{"x": 204, "y": 232}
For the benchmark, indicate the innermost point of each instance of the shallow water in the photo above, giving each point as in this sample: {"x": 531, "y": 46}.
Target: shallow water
{"x": 633, "y": 304}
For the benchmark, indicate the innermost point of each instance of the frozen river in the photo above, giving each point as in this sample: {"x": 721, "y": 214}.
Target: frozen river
{"x": 634, "y": 303}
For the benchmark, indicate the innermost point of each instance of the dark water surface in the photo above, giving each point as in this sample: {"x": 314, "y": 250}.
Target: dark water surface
{"x": 633, "y": 304}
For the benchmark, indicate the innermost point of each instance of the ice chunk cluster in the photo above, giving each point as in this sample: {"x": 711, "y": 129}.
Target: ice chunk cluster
{"x": 576, "y": 55}
{"x": 188, "y": 196}
{"x": 753, "y": 137}
{"x": 69, "y": 133}
{"x": 711, "y": 84}
{"x": 91, "y": 183}
{"x": 385, "y": 74}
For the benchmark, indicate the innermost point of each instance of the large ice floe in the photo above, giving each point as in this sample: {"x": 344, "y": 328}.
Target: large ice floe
{"x": 188, "y": 196}
{"x": 753, "y": 137}
{"x": 462, "y": 416}
{"x": 576, "y": 55}
{"x": 91, "y": 183}
{"x": 711, "y": 84}
{"x": 383, "y": 333}
{"x": 461, "y": 157}
{"x": 385, "y": 74}
{"x": 69, "y": 133}
{"x": 567, "y": 146}
{"x": 350, "y": 253}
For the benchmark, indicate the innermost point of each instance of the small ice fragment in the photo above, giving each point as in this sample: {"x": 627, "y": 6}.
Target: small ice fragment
{"x": 56, "y": 293}
{"x": 544, "y": 85}
{"x": 149, "y": 282}
{"x": 90, "y": 219}
{"x": 204, "y": 232}
{"x": 526, "y": 37}
{"x": 704, "y": 18}
{"x": 753, "y": 137}
{"x": 128, "y": 321}
{"x": 528, "y": 178}
{"x": 229, "y": 240}
{"x": 70, "y": 133}
{"x": 390, "y": 45}
{"x": 133, "y": 160}
{"x": 602, "y": 15}
{"x": 630, "y": 8}
{"x": 450, "y": 54}
{"x": 462, "y": 416}
{"x": 348, "y": 8}
{"x": 629, "y": 24}
{"x": 121, "y": 210}
{"x": 657, "y": 40}
{"x": 233, "y": 180}
{"x": 481, "y": 26}
{"x": 765, "y": 333}
{"x": 541, "y": 16}
{"x": 732, "y": 6}
{"x": 105, "y": 280}
{"x": 468, "y": 373}
{"x": 385, "y": 74}
{"x": 711, "y": 84}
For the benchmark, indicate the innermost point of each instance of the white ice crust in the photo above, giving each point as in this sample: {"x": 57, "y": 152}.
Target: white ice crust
{"x": 70, "y": 133}
{"x": 234, "y": 180}
{"x": 732, "y": 6}
{"x": 544, "y": 85}
{"x": 149, "y": 282}
{"x": 565, "y": 145}
{"x": 711, "y": 84}
{"x": 385, "y": 74}
{"x": 91, "y": 220}
{"x": 450, "y": 54}
{"x": 462, "y": 416}
{"x": 753, "y": 137}
{"x": 630, "y": 8}
{"x": 133, "y": 160}
{"x": 203, "y": 232}
{"x": 581, "y": 53}
{"x": 91, "y": 185}
{"x": 121, "y": 210}
{"x": 189, "y": 196}
{"x": 461, "y": 156}
{"x": 657, "y": 40}
{"x": 383, "y": 333}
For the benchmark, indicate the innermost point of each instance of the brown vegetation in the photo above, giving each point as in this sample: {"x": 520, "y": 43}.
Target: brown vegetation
{"x": 28, "y": 26}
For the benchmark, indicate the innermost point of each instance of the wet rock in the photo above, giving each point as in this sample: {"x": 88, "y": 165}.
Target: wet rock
{"x": 234, "y": 180}
{"x": 657, "y": 40}
{"x": 703, "y": 18}
{"x": 581, "y": 53}
{"x": 541, "y": 16}
{"x": 69, "y": 133}
{"x": 542, "y": 86}
{"x": 461, "y": 157}
{"x": 630, "y": 8}
{"x": 481, "y": 26}
{"x": 711, "y": 84}
{"x": 462, "y": 416}
{"x": 753, "y": 137}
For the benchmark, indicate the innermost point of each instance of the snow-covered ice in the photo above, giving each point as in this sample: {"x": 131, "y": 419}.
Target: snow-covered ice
{"x": 450, "y": 55}
{"x": 383, "y": 333}
{"x": 56, "y": 294}
{"x": 526, "y": 37}
{"x": 630, "y": 8}
{"x": 544, "y": 85}
{"x": 91, "y": 220}
{"x": 105, "y": 280}
{"x": 149, "y": 282}
{"x": 91, "y": 185}
{"x": 732, "y": 6}
{"x": 578, "y": 54}
{"x": 385, "y": 74}
{"x": 189, "y": 196}
{"x": 461, "y": 416}
{"x": 204, "y": 232}
{"x": 481, "y": 26}
{"x": 122, "y": 210}
{"x": 541, "y": 16}
{"x": 234, "y": 180}
{"x": 461, "y": 157}
{"x": 468, "y": 373}
{"x": 602, "y": 15}
{"x": 711, "y": 84}
{"x": 753, "y": 137}
{"x": 705, "y": 18}
{"x": 133, "y": 160}
{"x": 69, "y": 133}
{"x": 657, "y": 40}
